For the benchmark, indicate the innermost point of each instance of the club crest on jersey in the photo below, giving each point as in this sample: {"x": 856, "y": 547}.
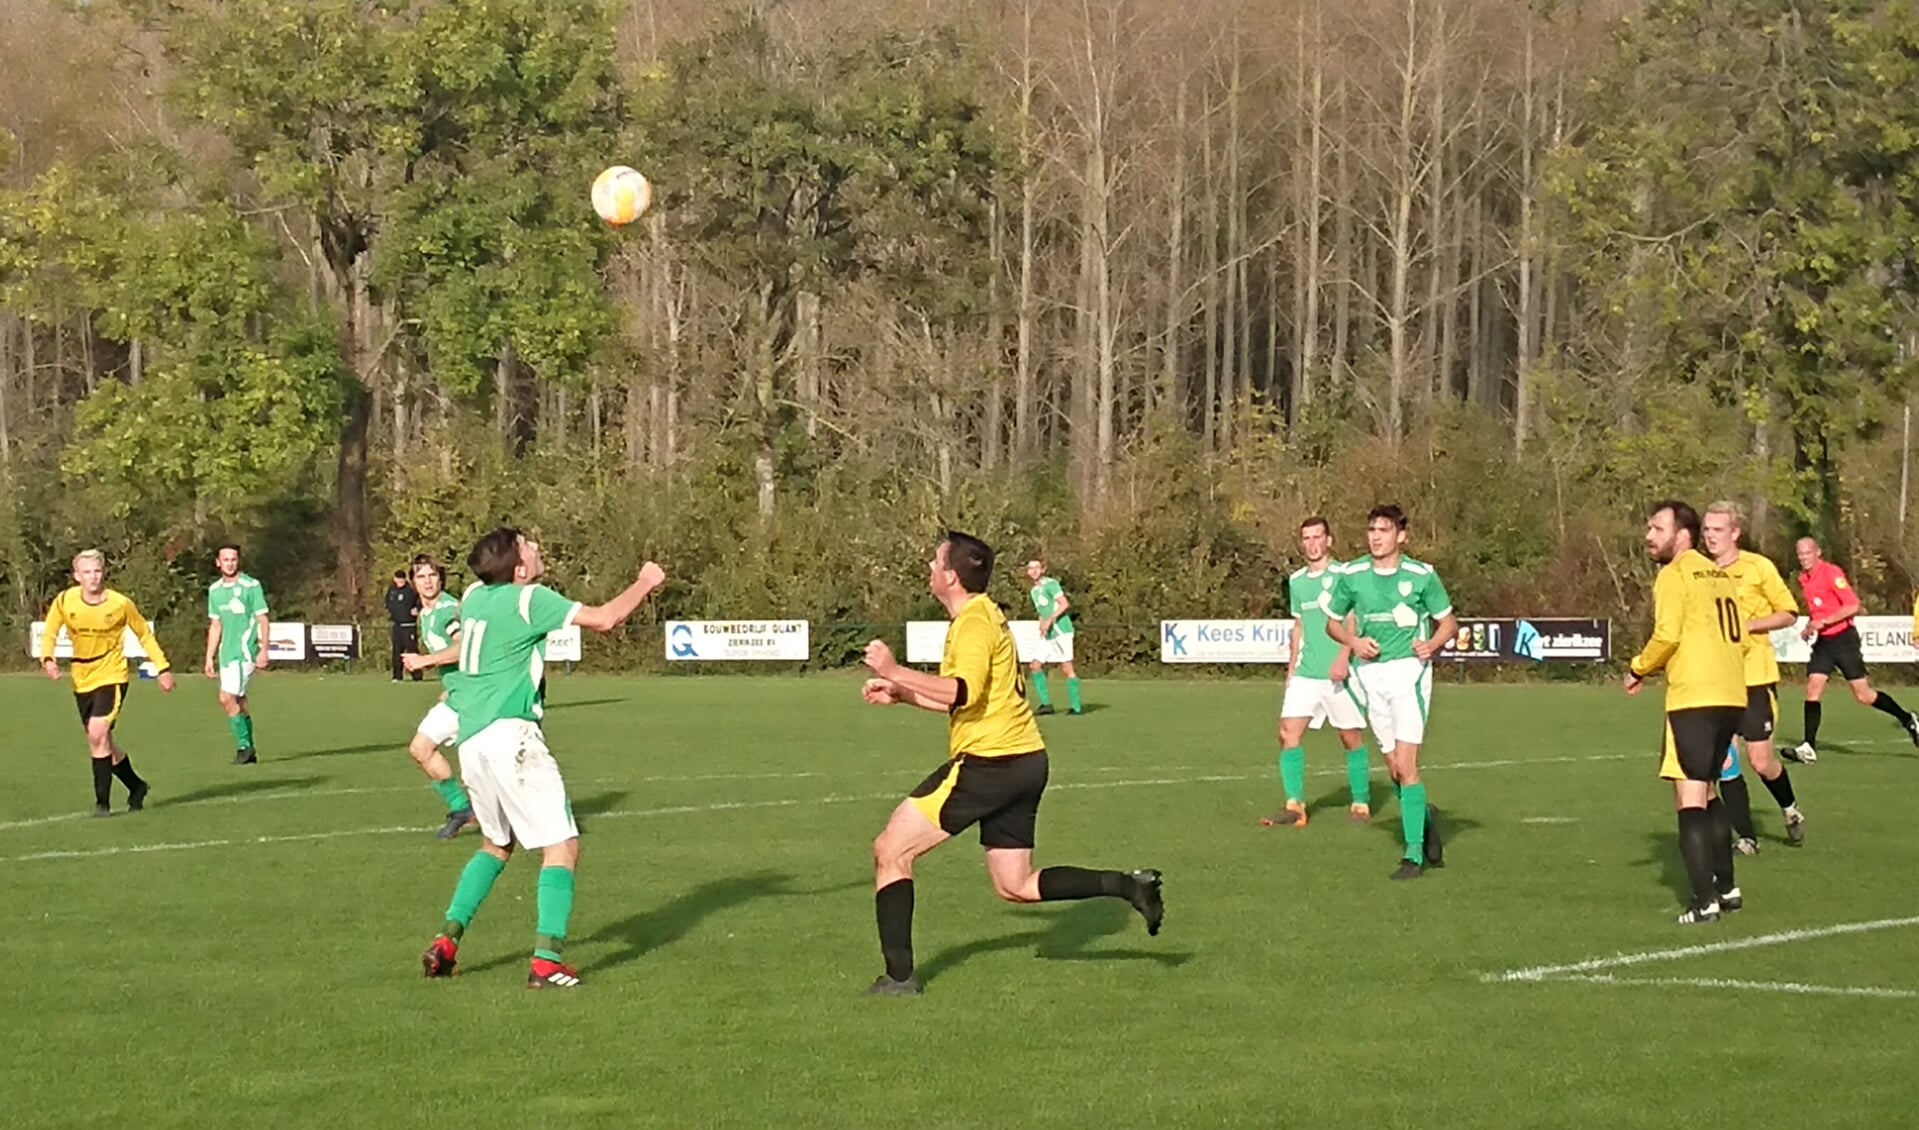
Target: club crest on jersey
{"x": 1405, "y": 588}
{"x": 1326, "y": 582}
{"x": 236, "y": 606}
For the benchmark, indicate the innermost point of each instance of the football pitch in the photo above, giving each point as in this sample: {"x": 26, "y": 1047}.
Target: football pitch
{"x": 245, "y": 952}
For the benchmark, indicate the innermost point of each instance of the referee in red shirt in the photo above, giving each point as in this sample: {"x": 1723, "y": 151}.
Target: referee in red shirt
{"x": 1831, "y": 604}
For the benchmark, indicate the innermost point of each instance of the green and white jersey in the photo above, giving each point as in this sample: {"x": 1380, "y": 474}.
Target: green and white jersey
{"x": 501, "y": 630}
{"x": 237, "y": 605}
{"x": 1308, "y": 594}
{"x": 1395, "y": 609}
{"x": 439, "y": 624}
{"x": 1046, "y": 597}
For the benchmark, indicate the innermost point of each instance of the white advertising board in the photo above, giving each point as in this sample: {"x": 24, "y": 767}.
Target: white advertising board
{"x": 737, "y": 640}
{"x": 926, "y": 640}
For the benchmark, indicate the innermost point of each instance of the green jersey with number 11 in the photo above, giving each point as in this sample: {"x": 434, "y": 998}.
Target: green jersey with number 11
{"x": 501, "y": 630}
{"x": 1394, "y": 609}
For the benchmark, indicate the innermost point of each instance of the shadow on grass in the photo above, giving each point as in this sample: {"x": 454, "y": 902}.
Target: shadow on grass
{"x": 236, "y": 789}
{"x": 1452, "y": 826}
{"x": 394, "y": 747}
{"x": 1662, "y": 851}
{"x": 552, "y": 706}
{"x": 642, "y": 933}
{"x": 1064, "y": 938}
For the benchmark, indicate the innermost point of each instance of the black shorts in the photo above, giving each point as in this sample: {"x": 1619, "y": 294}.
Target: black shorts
{"x": 1838, "y": 653}
{"x": 1762, "y": 713}
{"x": 1000, "y": 794}
{"x": 101, "y": 702}
{"x": 1697, "y": 740}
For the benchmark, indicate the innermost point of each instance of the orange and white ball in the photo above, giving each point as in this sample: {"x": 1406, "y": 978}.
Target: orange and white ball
{"x": 621, "y": 195}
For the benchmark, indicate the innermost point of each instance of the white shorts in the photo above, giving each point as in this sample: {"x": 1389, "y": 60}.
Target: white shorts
{"x": 1054, "y": 652}
{"x": 441, "y": 725}
{"x": 515, "y": 787}
{"x": 235, "y": 676}
{"x": 1395, "y": 696}
{"x": 1323, "y": 701}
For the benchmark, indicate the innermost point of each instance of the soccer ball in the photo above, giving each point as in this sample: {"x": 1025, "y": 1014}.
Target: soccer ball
{"x": 620, "y": 195}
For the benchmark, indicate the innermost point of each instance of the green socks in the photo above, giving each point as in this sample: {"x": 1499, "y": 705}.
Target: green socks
{"x": 555, "y": 907}
{"x": 1039, "y": 688}
{"x": 1292, "y": 774}
{"x": 476, "y": 882}
{"x": 454, "y": 795}
{"x": 1412, "y": 821}
{"x": 1358, "y": 776}
{"x": 242, "y": 727}
{"x": 1072, "y": 694}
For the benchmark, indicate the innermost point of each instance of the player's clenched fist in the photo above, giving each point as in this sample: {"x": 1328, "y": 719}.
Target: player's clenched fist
{"x": 879, "y": 658}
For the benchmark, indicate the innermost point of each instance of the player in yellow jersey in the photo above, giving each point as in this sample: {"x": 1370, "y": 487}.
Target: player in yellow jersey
{"x": 96, "y": 619}
{"x": 1698, "y": 639}
{"x": 994, "y": 774}
{"x": 1767, "y": 605}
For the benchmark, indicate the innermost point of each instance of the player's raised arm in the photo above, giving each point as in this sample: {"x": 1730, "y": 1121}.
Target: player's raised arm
{"x": 608, "y": 616}
{"x": 937, "y": 693}
{"x": 448, "y": 654}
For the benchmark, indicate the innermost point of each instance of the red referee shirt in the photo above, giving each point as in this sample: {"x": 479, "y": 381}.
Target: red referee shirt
{"x": 1827, "y": 591}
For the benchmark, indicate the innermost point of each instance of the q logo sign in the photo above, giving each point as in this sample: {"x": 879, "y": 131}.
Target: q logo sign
{"x": 680, "y": 643}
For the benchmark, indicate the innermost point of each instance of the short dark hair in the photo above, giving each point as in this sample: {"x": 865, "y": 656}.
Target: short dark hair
{"x": 1316, "y": 520}
{"x": 1389, "y": 512}
{"x": 495, "y": 556}
{"x": 400, "y": 573}
{"x": 1683, "y": 516}
{"x": 226, "y": 545}
{"x": 970, "y": 558}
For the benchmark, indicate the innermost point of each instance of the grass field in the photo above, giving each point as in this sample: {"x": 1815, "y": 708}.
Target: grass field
{"x": 244, "y": 953}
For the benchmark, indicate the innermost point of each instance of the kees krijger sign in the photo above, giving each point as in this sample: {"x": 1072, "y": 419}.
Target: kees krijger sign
{"x": 1224, "y": 641}
{"x": 1535, "y": 640}
{"x": 735, "y": 640}
{"x": 327, "y": 643}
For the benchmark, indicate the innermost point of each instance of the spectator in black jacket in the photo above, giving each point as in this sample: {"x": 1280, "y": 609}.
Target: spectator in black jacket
{"x": 403, "y": 609}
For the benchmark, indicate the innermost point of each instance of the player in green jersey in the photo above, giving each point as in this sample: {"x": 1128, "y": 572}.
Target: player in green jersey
{"x": 439, "y": 628}
{"x": 1395, "y": 616}
{"x": 1316, "y": 684}
{"x": 1055, "y": 638}
{"x": 512, "y": 780}
{"x": 236, "y": 644}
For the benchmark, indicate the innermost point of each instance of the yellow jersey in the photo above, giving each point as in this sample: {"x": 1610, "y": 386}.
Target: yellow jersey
{"x": 1697, "y": 635}
{"x": 1761, "y": 592}
{"x": 98, "y": 635}
{"x": 991, "y": 719}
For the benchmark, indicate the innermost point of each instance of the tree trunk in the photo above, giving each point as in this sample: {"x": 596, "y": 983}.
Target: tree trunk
{"x": 1209, "y": 295}
{"x": 993, "y": 370}
{"x": 1168, "y": 392}
{"x": 1023, "y": 401}
{"x": 1342, "y": 253}
{"x": 1233, "y": 330}
{"x": 1523, "y": 394}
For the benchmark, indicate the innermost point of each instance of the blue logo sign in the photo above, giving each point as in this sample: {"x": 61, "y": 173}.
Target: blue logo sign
{"x": 1169, "y": 636}
{"x": 679, "y": 644}
{"x": 1526, "y": 646}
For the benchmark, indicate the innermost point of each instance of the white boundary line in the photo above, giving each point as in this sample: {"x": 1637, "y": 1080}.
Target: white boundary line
{"x": 1754, "y": 986}
{"x": 674, "y": 810}
{"x": 299, "y": 794}
{"x": 1622, "y": 960}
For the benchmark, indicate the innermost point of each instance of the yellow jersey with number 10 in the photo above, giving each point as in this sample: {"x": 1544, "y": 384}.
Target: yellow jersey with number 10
{"x": 1762, "y": 592}
{"x": 1698, "y": 635}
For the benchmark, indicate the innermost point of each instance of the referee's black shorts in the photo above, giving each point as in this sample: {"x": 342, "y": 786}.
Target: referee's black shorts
{"x": 1697, "y": 740}
{"x": 1841, "y": 653}
{"x": 1000, "y": 794}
